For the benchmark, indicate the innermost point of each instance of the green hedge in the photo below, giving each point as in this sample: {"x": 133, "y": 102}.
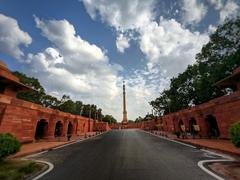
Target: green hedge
{"x": 235, "y": 134}
{"x": 8, "y": 145}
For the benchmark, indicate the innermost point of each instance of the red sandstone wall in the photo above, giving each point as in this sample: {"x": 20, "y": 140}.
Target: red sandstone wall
{"x": 101, "y": 126}
{"x": 20, "y": 118}
{"x": 225, "y": 109}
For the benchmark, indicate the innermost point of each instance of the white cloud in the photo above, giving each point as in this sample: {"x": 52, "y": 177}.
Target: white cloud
{"x": 193, "y": 11}
{"x": 211, "y": 29}
{"x": 230, "y": 9}
{"x": 63, "y": 35}
{"x": 122, "y": 43}
{"x": 122, "y": 15}
{"x": 169, "y": 46}
{"x": 218, "y": 4}
{"x": 12, "y": 37}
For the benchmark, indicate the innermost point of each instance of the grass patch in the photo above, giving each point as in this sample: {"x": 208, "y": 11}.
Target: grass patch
{"x": 18, "y": 169}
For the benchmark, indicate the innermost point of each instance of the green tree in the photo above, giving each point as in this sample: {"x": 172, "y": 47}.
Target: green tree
{"x": 138, "y": 119}
{"x": 67, "y": 105}
{"x": 33, "y": 96}
{"x": 9, "y": 145}
{"x": 109, "y": 118}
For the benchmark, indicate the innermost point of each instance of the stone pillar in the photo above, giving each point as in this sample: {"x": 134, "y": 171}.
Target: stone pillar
{"x": 65, "y": 127}
{"x": 204, "y": 132}
{"x": 51, "y": 127}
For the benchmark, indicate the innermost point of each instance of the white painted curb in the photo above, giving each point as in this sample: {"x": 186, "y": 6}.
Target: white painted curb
{"x": 200, "y": 164}
{"x": 225, "y": 158}
{"x": 50, "y": 167}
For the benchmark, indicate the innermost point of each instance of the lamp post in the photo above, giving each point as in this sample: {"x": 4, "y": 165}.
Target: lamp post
{"x": 90, "y": 111}
{"x": 81, "y": 110}
{"x": 168, "y": 103}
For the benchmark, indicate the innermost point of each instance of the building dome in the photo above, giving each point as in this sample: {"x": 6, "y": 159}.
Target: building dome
{"x": 3, "y": 64}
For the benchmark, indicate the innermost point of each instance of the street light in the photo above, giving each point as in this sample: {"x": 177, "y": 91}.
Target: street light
{"x": 90, "y": 111}
{"x": 81, "y": 110}
{"x": 168, "y": 103}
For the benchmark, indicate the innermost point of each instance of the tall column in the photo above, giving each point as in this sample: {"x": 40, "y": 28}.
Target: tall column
{"x": 125, "y": 120}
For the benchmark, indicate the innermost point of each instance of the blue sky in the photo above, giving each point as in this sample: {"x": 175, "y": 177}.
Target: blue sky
{"x": 87, "y": 48}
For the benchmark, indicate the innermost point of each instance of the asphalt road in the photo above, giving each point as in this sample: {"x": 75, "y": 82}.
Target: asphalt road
{"x": 123, "y": 155}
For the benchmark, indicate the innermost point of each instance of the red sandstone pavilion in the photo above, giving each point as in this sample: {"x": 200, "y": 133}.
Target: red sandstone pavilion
{"x": 28, "y": 121}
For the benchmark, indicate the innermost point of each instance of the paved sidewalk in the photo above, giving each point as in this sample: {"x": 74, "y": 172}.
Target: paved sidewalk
{"x": 215, "y": 144}
{"x": 35, "y": 147}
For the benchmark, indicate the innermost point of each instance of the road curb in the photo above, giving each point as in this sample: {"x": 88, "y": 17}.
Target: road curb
{"x": 205, "y": 147}
{"x": 225, "y": 158}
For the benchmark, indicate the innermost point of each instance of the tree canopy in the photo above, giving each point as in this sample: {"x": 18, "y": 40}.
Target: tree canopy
{"x": 109, "y": 118}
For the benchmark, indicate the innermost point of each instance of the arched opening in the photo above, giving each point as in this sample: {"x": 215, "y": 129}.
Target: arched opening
{"x": 212, "y": 126}
{"x": 41, "y": 129}
{"x": 70, "y": 128}
{"x": 180, "y": 125}
{"x": 58, "y": 129}
{"x": 192, "y": 122}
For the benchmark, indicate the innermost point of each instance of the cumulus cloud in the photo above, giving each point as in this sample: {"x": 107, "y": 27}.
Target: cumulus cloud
{"x": 122, "y": 43}
{"x": 122, "y": 15}
{"x": 218, "y": 4}
{"x": 211, "y": 29}
{"x": 12, "y": 37}
{"x": 169, "y": 46}
{"x": 230, "y": 9}
{"x": 193, "y": 11}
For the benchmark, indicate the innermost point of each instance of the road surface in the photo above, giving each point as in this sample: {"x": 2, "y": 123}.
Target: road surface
{"x": 125, "y": 155}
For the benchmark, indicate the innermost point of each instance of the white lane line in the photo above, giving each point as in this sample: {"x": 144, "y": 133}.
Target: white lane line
{"x": 80, "y": 140}
{"x": 225, "y": 158}
{"x": 188, "y": 145}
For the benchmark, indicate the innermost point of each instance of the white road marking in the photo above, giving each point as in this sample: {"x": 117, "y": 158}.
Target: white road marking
{"x": 188, "y": 145}
{"x": 50, "y": 167}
